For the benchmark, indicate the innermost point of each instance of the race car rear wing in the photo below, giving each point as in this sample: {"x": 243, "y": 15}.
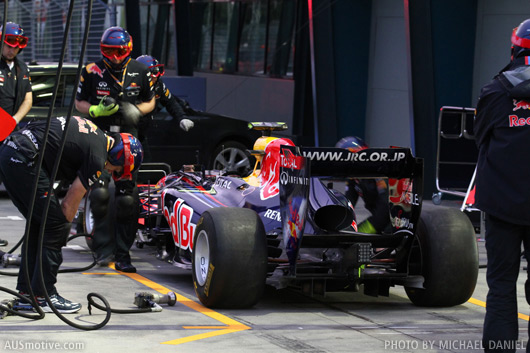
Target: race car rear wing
{"x": 371, "y": 162}
{"x": 298, "y": 164}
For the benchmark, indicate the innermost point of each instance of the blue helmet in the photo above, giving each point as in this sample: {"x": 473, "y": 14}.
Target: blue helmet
{"x": 127, "y": 151}
{"x": 147, "y": 60}
{"x": 154, "y": 66}
{"x": 521, "y": 40}
{"x": 14, "y": 36}
{"x": 352, "y": 143}
{"x": 116, "y": 43}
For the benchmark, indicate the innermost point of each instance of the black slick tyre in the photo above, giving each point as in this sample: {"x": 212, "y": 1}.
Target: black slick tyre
{"x": 446, "y": 255}
{"x": 229, "y": 262}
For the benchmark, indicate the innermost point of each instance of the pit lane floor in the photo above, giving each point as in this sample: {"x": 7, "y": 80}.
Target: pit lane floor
{"x": 283, "y": 321}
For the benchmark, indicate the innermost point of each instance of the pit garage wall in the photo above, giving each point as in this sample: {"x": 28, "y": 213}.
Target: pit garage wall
{"x": 422, "y": 54}
{"x": 495, "y": 21}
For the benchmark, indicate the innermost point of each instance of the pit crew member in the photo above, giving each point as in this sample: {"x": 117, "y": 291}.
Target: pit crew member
{"x": 374, "y": 192}
{"x": 502, "y": 134}
{"x": 164, "y": 98}
{"x": 87, "y": 152}
{"x": 128, "y": 83}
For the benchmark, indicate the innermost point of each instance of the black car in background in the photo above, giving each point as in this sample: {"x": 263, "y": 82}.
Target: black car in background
{"x": 216, "y": 141}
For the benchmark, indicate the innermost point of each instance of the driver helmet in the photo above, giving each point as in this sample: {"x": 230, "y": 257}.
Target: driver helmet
{"x": 521, "y": 40}
{"x": 352, "y": 143}
{"x": 154, "y": 66}
{"x": 127, "y": 151}
{"x": 14, "y": 36}
{"x": 116, "y": 43}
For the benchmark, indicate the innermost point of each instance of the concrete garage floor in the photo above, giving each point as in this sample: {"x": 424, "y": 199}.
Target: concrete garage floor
{"x": 283, "y": 321}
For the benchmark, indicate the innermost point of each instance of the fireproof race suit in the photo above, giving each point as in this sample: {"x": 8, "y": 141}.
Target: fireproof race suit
{"x": 84, "y": 156}
{"x": 14, "y": 84}
{"x": 174, "y": 106}
{"x": 133, "y": 85}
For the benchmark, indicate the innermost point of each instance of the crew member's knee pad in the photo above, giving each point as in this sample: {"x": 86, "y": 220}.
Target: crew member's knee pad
{"x": 125, "y": 208}
{"x": 99, "y": 202}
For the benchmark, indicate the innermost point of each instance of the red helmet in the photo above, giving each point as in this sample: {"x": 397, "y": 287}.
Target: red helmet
{"x": 14, "y": 36}
{"x": 154, "y": 66}
{"x": 521, "y": 40}
{"x": 116, "y": 43}
{"x": 127, "y": 151}
{"x": 352, "y": 143}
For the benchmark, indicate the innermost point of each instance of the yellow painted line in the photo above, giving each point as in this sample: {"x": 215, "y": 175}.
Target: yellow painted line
{"x": 231, "y": 324}
{"x": 201, "y": 336}
{"x": 477, "y": 302}
{"x": 483, "y": 304}
{"x": 102, "y": 273}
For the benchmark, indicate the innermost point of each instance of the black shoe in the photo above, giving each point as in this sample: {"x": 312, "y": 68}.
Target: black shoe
{"x": 62, "y": 305}
{"x": 125, "y": 267}
{"x": 3, "y": 242}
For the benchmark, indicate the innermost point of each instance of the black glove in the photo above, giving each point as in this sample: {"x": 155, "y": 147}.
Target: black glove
{"x": 130, "y": 113}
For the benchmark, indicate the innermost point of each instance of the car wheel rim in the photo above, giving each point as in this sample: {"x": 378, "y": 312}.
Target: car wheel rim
{"x": 232, "y": 160}
{"x": 89, "y": 219}
{"x": 202, "y": 257}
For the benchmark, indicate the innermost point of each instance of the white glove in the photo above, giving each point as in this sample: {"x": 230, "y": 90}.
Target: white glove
{"x": 186, "y": 124}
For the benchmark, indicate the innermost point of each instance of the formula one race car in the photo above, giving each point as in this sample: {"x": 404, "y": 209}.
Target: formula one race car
{"x": 284, "y": 225}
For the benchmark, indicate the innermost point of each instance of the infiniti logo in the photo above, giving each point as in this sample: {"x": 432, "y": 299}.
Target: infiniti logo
{"x": 284, "y": 178}
{"x": 103, "y": 84}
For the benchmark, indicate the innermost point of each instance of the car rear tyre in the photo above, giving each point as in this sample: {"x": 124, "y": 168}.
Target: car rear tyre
{"x": 446, "y": 255}
{"x": 233, "y": 157}
{"x": 229, "y": 263}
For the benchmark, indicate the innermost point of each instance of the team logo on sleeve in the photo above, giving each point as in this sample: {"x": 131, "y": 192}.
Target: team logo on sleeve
{"x": 94, "y": 69}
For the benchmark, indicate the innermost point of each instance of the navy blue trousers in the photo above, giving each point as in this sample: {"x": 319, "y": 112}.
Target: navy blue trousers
{"x": 503, "y": 246}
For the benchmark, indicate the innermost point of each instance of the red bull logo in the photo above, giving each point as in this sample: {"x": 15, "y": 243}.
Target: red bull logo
{"x": 94, "y": 69}
{"x": 517, "y": 121}
{"x": 179, "y": 220}
{"x": 520, "y": 105}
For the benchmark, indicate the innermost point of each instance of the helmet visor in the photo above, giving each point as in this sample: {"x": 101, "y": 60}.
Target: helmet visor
{"x": 14, "y": 41}
{"x": 157, "y": 70}
{"x": 115, "y": 52}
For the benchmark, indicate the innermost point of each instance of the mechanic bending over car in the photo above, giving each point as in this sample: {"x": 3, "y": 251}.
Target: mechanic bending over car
{"x": 128, "y": 85}
{"x": 374, "y": 192}
{"x": 87, "y": 152}
{"x": 15, "y": 84}
{"x": 164, "y": 98}
{"x": 502, "y": 134}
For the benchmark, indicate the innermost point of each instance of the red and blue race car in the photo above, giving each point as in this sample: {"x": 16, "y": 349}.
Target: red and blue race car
{"x": 285, "y": 225}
